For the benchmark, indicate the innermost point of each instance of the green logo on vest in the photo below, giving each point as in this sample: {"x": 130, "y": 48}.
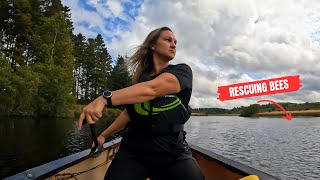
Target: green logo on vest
{"x": 143, "y": 108}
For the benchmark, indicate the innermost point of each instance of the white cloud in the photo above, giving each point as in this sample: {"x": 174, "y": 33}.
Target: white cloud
{"x": 224, "y": 43}
{"x": 81, "y": 16}
{"x": 95, "y": 20}
{"x": 115, "y": 7}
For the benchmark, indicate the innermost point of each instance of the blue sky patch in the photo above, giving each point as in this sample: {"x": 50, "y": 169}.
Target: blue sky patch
{"x": 132, "y": 8}
{"x": 86, "y": 6}
{"x": 111, "y": 24}
{"x": 256, "y": 76}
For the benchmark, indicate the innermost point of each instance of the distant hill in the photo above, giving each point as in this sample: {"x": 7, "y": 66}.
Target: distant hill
{"x": 262, "y": 108}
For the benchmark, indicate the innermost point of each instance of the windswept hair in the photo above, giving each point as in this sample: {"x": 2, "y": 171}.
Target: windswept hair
{"x": 142, "y": 59}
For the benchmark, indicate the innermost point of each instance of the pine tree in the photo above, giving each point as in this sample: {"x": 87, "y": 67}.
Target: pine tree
{"x": 54, "y": 62}
{"x": 22, "y": 31}
{"x": 120, "y": 76}
{"x": 54, "y": 42}
{"x": 79, "y": 78}
{"x": 36, "y": 59}
{"x": 103, "y": 67}
{"x": 4, "y": 18}
{"x": 95, "y": 68}
{"x": 88, "y": 69}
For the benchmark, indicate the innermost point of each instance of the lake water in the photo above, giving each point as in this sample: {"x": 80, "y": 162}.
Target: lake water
{"x": 285, "y": 149}
{"x": 26, "y": 143}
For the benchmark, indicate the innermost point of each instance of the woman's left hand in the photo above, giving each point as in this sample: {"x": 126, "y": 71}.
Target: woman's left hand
{"x": 101, "y": 139}
{"x": 92, "y": 112}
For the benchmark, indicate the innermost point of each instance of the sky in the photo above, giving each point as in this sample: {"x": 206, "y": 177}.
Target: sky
{"x": 224, "y": 41}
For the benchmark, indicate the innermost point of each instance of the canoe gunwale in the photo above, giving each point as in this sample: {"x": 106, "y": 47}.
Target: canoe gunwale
{"x": 53, "y": 167}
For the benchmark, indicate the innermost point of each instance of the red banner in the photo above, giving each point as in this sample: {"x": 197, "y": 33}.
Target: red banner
{"x": 259, "y": 88}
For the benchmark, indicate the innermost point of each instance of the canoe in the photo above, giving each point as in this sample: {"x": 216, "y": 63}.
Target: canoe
{"x": 86, "y": 165}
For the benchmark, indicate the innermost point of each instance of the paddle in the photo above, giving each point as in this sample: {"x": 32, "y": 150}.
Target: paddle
{"x": 93, "y": 135}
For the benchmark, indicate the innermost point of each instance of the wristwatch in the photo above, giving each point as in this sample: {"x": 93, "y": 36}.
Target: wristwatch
{"x": 107, "y": 95}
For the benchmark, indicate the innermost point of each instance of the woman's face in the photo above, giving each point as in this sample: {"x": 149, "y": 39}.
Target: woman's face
{"x": 165, "y": 47}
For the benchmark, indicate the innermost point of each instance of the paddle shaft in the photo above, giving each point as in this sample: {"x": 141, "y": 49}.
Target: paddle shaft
{"x": 93, "y": 133}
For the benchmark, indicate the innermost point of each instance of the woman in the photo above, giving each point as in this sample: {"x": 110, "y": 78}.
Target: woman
{"x": 154, "y": 144}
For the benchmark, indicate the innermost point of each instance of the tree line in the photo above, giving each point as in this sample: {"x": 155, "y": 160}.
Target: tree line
{"x": 46, "y": 70}
{"x": 256, "y": 108}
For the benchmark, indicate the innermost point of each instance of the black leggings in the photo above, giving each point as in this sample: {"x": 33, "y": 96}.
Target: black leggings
{"x": 125, "y": 168}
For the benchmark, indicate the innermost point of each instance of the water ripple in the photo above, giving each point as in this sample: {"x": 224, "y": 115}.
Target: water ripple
{"x": 287, "y": 150}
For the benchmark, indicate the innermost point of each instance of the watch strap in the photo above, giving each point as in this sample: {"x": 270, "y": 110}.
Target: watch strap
{"x": 107, "y": 95}
{"x": 109, "y": 102}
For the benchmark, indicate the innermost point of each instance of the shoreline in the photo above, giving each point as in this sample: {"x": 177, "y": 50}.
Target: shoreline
{"x": 312, "y": 112}
{"x": 302, "y": 113}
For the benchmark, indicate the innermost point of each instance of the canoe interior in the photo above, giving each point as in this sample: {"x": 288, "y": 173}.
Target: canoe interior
{"x": 91, "y": 168}
{"x": 213, "y": 169}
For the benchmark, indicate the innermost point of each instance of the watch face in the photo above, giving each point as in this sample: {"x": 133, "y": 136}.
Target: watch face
{"x": 107, "y": 94}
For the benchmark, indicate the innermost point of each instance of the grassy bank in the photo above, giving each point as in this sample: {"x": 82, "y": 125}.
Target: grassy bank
{"x": 311, "y": 112}
{"x": 224, "y": 115}
{"x": 199, "y": 114}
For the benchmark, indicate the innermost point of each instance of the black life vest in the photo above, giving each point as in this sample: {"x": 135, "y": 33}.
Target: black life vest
{"x": 160, "y": 116}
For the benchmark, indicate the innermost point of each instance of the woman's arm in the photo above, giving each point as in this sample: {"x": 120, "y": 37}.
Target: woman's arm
{"x": 115, "y": 127}
{"x": 164, "y": 84}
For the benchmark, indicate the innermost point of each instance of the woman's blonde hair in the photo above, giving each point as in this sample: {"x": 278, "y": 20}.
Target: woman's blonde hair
{"x": 142, "y": 59}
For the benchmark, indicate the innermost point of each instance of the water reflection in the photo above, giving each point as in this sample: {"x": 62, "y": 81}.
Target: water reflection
{"x": 26, "y": 142}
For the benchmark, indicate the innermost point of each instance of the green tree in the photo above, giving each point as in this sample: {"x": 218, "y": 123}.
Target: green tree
{"x": 79, "y": 61}
{"x": 7, "y": 89}
{"x": 54, "y": 62}
{"x": 18, "y": 90}
{"x": 54, "y": 42}
{"x": 120, "y": 76}
{"x": 26, "y": 85}
{"x": 88, "y": 69}
{"x": 36, "y": 59}
{"x": 36, "y": 13}
{"x": 6, "y": 26}
{"x": 102, "y": 67}
{"x": 22, "y": 31}
{"x": 4, "y": 18}
{"x": 55, "y": 96}
{"x": 250, "y": 110}
{"x": 94, "y": 65}
{"x": 17, "y": 22}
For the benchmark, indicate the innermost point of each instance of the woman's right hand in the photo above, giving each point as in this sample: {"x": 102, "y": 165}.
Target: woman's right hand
{"x": 92, "y": 112}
